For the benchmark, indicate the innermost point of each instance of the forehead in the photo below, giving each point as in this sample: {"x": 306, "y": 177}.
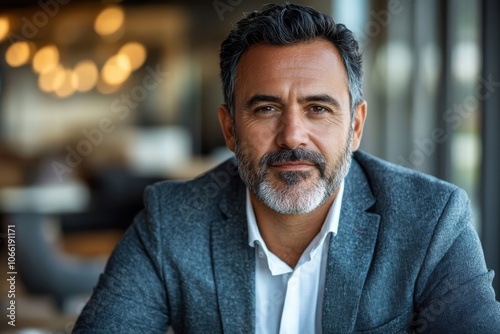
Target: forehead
{"x": 303, "y": 68}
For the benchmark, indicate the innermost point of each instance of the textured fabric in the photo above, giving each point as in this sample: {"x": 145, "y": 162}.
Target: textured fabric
{"x": 289, "y": 300}
{"x": 405, "y": 260}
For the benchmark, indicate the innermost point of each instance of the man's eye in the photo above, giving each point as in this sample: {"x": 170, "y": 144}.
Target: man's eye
{"x": 318, "y": 109}
{"x": 265, "y": 110}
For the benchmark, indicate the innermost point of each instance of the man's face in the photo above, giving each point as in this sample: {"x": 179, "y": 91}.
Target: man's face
{"x": 292, "y": 134}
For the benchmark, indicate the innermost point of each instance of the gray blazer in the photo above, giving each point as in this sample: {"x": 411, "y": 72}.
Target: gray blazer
{"x": 405, "y": 260}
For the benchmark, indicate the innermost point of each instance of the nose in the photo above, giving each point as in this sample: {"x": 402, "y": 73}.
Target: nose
{"x": 292, "y": 131}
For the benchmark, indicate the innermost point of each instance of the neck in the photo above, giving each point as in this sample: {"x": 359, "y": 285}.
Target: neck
{"x": 288, "y": 235}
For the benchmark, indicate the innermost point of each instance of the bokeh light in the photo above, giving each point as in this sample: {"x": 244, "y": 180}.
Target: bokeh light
{"x": 136, "y": 53}
{"x": 18, "y": 54}
{"x": 4, "y": 27}
{"x": 46, "y": 59}
{"x": 85, "y": 76}
{"x": 116, "y": 70}
{"x": 109, "y": 21}
{"x": 63, "y": 85}
{"x": 47, "y": 79}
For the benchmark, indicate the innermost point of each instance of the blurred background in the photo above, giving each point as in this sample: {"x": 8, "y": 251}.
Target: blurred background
{"x": 98, "y": 99}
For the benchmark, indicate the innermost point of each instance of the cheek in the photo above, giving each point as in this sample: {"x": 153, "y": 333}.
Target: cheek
{"x": 257, "y": 137}
{"x": 331, "y": 139}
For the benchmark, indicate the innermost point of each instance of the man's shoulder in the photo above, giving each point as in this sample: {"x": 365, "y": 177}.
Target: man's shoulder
{"x": 196, "y": 196}
{"x": 413, "y": 208}
{"x": 404, "y": 191}
{"x": 386, "y": 175}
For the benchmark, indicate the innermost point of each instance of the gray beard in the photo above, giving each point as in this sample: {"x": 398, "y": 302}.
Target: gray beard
{"x": 292, "y": 198}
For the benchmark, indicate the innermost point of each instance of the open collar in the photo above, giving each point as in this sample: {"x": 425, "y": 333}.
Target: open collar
{"x": 233, "y": 259}
{"x": 350, "y": 254}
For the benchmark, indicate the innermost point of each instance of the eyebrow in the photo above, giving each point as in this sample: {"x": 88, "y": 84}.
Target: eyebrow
{"x": 325, "y": 98}
{"x": 257, "y": 98}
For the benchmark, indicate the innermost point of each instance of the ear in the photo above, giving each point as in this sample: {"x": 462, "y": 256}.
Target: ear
{"x": 226, "y": 124}
{"x": 359, "y": 123}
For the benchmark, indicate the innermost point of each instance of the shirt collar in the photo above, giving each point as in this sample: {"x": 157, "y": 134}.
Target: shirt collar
{"x": 330, "y": 225}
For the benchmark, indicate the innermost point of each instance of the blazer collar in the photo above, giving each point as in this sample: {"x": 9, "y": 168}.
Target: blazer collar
{"x": 350, "y": 254}
{"x": 233, "y": 258}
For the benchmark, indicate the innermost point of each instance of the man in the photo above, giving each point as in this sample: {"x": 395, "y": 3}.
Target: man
{"x": 294, "y": 236}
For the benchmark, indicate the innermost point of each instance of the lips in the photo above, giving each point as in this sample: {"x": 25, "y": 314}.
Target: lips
{"x": 293, "y": 165}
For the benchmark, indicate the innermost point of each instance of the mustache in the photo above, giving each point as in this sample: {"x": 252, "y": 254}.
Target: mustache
{"x": 291, "y": 155}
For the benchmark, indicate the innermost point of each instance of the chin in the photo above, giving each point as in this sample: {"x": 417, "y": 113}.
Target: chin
{"x": 299, "y": 198}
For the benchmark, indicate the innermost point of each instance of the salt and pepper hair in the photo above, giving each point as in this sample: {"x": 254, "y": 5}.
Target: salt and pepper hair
{"x": 285, "y": 25}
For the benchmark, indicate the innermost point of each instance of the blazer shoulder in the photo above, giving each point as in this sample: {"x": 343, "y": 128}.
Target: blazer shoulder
{"x": 385, "y": 175}
{"x": 193, "y": 201}
{"x": 405, "y": 192}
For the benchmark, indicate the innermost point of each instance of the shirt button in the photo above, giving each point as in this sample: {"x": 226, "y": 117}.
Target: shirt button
{"x": 261, "y": 254}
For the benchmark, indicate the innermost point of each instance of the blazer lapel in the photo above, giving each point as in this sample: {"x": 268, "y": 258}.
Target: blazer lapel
{"x": 234, "y": 262}
{"x": 350, "y": 254}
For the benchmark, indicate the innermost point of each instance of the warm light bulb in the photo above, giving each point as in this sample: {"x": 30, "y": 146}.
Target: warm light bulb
{"x": 136, "y": 53}
{"x": 18, "y": 54}
{"x": 4, "y": 27}
{"x": 116, "y": 70}
{"x": 47, "y": 79}
{"x": 45, "y": 59}
{"x": 64, "y": 87}
{"x": 85, "y": 76}
{"x": 109, "y": 21}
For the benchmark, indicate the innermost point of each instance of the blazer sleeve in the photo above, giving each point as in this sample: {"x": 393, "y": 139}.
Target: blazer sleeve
{"x": 454, "y": 293}
{"x": 130, "y": 296}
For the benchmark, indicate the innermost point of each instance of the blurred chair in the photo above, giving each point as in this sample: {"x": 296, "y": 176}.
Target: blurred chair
{"x": 44, "y": 267}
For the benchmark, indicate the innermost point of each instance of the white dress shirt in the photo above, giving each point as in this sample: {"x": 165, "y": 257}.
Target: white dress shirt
{"x": 289, "y": 301}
